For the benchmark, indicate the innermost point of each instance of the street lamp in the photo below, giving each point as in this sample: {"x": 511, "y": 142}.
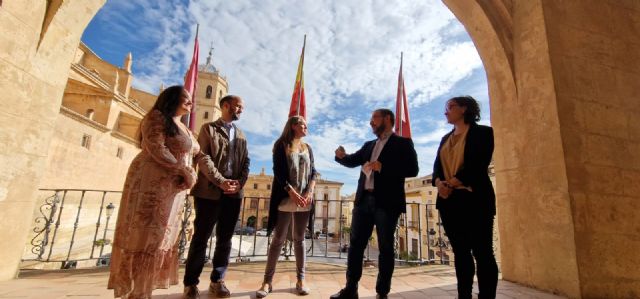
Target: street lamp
{"x": 109, "y": 213}
{"x": 110, "y": 208}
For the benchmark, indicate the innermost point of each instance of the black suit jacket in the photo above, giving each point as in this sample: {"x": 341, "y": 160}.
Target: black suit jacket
{"x": 478, "y": 151}
{"x": 399, "y": 161}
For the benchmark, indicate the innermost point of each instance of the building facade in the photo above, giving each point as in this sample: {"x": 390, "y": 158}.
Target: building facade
{"x": 420, "y": 233}
{"x": 94, "y": 139}
{"x": 328, "y": 202}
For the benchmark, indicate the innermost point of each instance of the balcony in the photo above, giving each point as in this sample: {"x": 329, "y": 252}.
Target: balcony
{"x": 73, "y": 229}
{"x": 244, "y": 279}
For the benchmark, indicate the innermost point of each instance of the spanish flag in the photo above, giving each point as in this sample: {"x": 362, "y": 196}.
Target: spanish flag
{"x": 298, "y": 106}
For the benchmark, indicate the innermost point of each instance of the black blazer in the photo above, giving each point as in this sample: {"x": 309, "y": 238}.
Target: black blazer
{"x": 478, "y": 150}
{"x": 399, "y": 161}
{"x": 280, "y": 180}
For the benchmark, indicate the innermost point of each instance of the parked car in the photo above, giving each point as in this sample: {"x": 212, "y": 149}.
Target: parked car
{"x": 247, "y": 231}
{"x": 262, "y": 232}
{"x": 104, "y": 260}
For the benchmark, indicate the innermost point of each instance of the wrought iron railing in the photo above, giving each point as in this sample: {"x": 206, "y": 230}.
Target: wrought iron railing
{"x": 52, "y": 221}
{"x": 63, "y": 232}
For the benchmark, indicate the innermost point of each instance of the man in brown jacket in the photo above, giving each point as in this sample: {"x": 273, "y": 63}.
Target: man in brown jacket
{"x": 217, "y": 196}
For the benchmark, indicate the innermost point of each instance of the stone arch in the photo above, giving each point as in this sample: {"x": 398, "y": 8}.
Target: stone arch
{"x": 553, "y": 86}
{"x": 490, "y": 25}
{"x": 552, "y": 234}
{"x": 37, "y": 53}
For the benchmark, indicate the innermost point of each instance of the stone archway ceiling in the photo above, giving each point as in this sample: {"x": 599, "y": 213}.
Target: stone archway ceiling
{"x": 52, "y": 8}
{"x": 500, "y": 15}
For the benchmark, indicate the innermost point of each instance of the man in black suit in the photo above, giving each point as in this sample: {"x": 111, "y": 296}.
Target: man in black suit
{"x": 380, "y": 199}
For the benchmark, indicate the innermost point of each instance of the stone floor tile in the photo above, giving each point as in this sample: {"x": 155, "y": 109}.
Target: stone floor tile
{"x": 244, "y": 279}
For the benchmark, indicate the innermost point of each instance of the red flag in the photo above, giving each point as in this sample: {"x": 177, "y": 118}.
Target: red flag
{"x": 403, "y": 127}
{"x": 298, "y": 105}
{"x": 190, "y": 81}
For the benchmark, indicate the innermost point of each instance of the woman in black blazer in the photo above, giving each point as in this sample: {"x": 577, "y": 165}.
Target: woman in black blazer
{"x": 466, "y": 199}
{"x": 291, "y": 207}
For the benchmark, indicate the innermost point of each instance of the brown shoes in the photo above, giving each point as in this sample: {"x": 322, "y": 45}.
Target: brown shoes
{"x": 191, "y": 292}
{"x": 219, "y": 289}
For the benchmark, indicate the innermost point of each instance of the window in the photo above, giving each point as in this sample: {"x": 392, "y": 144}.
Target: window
{"x": 220, "y": 97}
{"x": 429, "y": 182}
{"x": 430, "y": 192}
{"x": 414, "y": 246}
{"x": 255, "y": 186}
{"x": 120, "y": 152}
{"x": 206, "y": 115}
{"x": 268, "y": 186}
{"x": 326, "y": 197}
{"x": 254, "y": 203}
{"x": 86, "y": 141}
{"x": 266, "y": 204}
{"x": 89, "y": 114}
{"x": 209, "y": 91}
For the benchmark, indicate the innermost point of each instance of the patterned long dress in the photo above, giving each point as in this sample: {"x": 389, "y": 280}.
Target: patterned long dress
{"x": 145, "y": 247}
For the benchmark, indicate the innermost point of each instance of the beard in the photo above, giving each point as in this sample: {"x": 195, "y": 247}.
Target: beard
{"x": 380, "y": 129}
{"x": 235, "y": 116}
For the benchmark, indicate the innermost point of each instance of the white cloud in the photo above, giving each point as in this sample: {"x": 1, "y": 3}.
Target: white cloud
{"x": 351, "y": 63}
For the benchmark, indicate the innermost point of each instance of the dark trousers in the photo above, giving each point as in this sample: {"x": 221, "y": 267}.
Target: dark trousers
{"x": 365, "y": 216}
{"x": 471, "y": 236}
{"x": 223, "y": 212}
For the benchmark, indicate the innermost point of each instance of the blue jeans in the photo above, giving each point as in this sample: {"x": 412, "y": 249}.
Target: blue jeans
{"x": 224, "y": 212}
{"x": 365, "y": 216}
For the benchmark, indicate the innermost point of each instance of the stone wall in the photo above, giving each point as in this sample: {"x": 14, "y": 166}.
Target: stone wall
{"x": 594, "y": 48}
{"x": 69, "y": 165}
{"x": 34, "y": 61}
{"x": 563, "y": 83}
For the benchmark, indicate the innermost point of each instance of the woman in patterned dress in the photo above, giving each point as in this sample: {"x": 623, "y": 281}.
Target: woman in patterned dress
{"x": 145, "y": 247}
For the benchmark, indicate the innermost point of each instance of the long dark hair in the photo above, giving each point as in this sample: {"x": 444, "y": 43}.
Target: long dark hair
{"x": 167, "y": 103}
{"x": 286, "y": 138}
{"x": 472, "y": 113}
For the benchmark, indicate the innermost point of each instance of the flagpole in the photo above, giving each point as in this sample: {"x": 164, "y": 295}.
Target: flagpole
{"x": 187, "y": 119}
{"x": 304, "y": 44}
{"x": 402, "y": 104}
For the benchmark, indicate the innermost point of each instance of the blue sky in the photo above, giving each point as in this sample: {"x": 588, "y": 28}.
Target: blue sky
{"x": 351, "y": 64}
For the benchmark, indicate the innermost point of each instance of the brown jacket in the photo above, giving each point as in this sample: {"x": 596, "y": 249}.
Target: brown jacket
{"x": 214, "y": 144}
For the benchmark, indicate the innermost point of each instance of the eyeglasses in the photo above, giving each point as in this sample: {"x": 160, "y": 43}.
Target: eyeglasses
{"x": 450, "y": 106}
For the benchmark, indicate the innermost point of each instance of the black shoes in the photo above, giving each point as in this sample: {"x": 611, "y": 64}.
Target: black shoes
{"x": 345, "y": 294}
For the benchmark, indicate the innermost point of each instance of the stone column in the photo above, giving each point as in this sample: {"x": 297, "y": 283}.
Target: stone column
{"x": 37, "y": 45}
{"x": 564, "y": 79}
{"x": 594, "y": 47}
